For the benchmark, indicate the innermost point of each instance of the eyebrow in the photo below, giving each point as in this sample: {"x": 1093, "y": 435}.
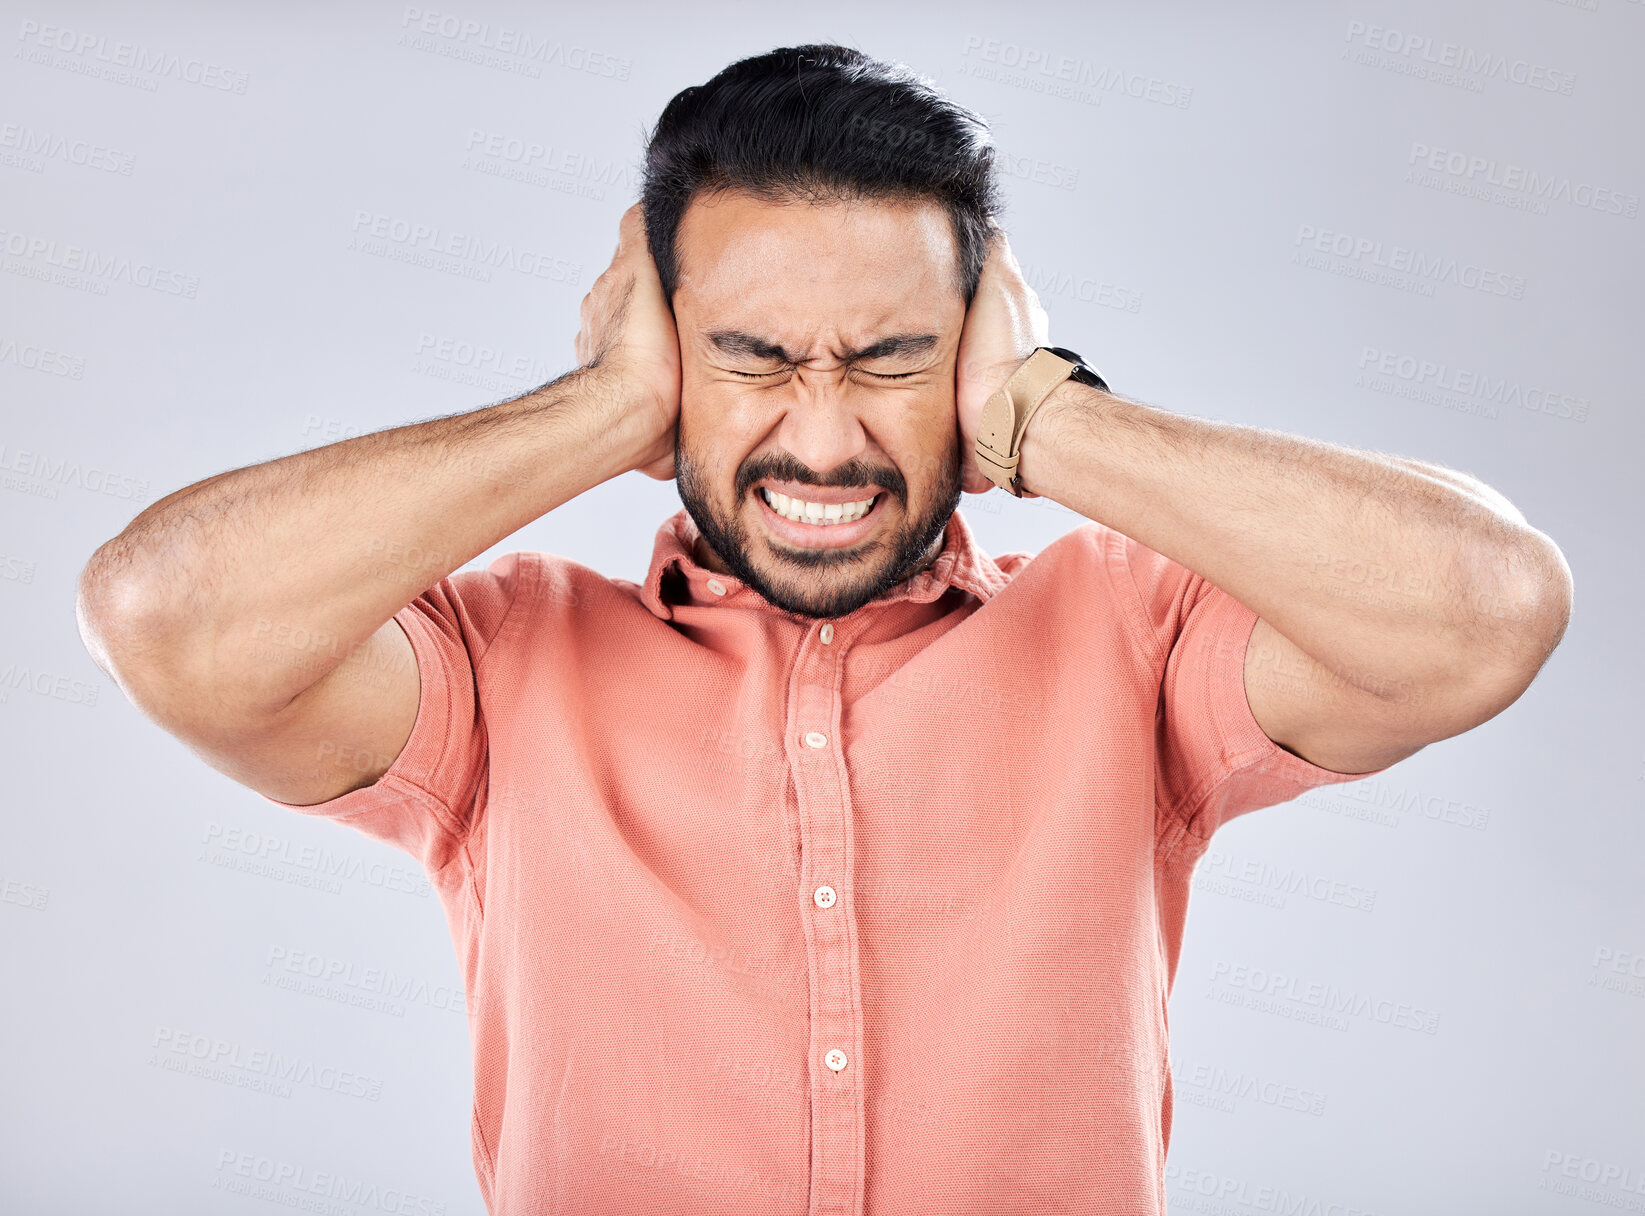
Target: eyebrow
{"x": 735, "y": 342}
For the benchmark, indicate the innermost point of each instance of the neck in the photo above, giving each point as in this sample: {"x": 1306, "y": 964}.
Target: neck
{"x": 706, "y": 557}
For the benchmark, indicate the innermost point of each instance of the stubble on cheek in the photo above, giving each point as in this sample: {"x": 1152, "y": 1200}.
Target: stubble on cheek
{"x": 833, "y": 581}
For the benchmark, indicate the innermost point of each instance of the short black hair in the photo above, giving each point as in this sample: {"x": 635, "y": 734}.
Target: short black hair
{"x": 820, "y": 123}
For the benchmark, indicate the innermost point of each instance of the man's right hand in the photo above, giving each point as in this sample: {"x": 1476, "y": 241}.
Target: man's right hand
{"x": 628, "y": 335}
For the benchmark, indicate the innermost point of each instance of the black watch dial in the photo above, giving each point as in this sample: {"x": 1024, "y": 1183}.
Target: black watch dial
{"x": 1083, "y": 373}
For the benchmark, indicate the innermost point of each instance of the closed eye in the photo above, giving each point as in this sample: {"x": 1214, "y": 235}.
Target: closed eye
{"x": 784, "y": 371}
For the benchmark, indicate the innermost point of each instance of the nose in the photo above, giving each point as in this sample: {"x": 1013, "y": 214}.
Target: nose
{"x": 821, "y": 426}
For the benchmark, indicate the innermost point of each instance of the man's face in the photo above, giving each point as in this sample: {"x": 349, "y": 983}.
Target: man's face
{"x": 817, "y": 347}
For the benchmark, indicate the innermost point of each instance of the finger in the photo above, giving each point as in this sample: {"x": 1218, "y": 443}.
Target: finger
{"x": 992, "y": 262}
{"x": 631, "y": 227}
{"x": 1008, "y": 256}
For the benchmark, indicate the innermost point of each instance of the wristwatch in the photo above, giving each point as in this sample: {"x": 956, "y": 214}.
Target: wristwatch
{"x": 1006, "y": 413}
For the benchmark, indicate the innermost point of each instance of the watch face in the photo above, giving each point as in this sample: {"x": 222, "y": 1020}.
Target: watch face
{"x": 1083, "y": 373}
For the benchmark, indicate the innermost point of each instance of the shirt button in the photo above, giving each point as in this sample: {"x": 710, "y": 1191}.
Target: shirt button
{"x": 816, "y": 739}
{"x": 835, "y": 1059}
{"x": 827, "y": 634}
{"x": 716, "y": 586}
{"x": 824, "y": 896}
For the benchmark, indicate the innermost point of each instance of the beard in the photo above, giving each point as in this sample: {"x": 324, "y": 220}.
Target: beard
{"x": 819, "y": 582}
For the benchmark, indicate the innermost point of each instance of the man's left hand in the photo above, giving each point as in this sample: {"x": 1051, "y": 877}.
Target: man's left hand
{"x": 1002, "y": 327}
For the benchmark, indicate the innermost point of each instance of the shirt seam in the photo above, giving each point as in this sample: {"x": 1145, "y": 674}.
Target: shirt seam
{"x": 463, "y": 835}
{"x": 1138, "y": 616}
{"x": 1165, "y": 843}
{"x": 465, "y": 843}
{"x": 1255, "y": 759}
{"x": 485, "y": 1147}
{"x": 1233, "y": 764}
{"x": 446, "y": 816}
{"x": 1175, "y": 824}
{"x": 1255, "y": 756}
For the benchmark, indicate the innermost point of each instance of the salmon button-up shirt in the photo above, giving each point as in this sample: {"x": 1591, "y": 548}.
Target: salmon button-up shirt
{"x": 869, "y": 916}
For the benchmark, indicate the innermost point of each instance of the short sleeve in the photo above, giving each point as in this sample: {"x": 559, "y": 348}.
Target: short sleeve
{"x": 424, "y": 803}
{"x": 1214, "y": 762}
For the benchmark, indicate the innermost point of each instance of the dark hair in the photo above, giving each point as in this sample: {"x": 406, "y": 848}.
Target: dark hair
{"x": 820, "y": 123}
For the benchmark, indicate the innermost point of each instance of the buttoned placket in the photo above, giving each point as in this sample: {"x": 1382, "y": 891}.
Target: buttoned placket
{"x": 817, "y": 759}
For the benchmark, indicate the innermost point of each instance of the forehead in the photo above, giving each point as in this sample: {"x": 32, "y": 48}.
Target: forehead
{"x": 799, "y": 270}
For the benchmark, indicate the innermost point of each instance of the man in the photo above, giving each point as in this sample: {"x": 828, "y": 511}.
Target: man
{"x": 839, "y": 867}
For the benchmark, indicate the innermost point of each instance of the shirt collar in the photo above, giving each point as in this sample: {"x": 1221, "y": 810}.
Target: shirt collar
{"x": 960, "y": 563}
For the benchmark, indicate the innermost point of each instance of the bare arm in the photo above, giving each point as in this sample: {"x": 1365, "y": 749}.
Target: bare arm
{"x": 234, "y": 611}
{"x": 1398, "y": 602}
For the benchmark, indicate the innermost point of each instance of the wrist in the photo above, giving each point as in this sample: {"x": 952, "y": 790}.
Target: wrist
{"x": 1044, "y": 442}
{"x": 628, "y": 424}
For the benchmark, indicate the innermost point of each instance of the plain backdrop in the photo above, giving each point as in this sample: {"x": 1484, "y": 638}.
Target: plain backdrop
{"x": 232, "y": 233}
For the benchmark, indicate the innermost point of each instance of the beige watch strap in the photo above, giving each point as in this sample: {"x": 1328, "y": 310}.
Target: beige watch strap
{"x": 1006, "y": 413}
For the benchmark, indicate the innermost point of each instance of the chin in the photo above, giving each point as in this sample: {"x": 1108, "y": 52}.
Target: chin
{"x": 827, "y": 591}
{"x": 812, "y": 568}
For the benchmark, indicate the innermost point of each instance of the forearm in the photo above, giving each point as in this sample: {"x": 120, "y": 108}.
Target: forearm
{"x": 328, "y": 544}
{"x": 1391, "y": 570}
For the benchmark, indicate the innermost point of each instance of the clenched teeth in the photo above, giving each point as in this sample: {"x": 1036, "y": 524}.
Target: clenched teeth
{"x": 824, "y": 513}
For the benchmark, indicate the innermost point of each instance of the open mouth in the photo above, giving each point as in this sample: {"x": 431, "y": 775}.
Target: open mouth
{"x": 809, "y": 524}
{"x": 803, "y": 511}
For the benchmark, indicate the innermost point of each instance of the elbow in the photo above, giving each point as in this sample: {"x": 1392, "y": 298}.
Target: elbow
{"x": 1548, "y": 594}
{"x": 120, "y": 620}
{"x": 1519, "y": 629}
{"x": 100, "y": 600}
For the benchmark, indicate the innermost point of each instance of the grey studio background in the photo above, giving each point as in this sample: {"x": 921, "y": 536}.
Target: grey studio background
{"x": 229, "y": 235}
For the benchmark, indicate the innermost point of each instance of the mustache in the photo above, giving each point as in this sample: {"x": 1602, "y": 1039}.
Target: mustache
{"x": 852, "y": 473}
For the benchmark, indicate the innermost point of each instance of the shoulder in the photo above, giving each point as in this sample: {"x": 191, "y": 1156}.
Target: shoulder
{"x": 548, "y": 591}
{"x": 549, "y": 584}
{"x": 1096, "y": 580}
{"x": 1089, "y": 550}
